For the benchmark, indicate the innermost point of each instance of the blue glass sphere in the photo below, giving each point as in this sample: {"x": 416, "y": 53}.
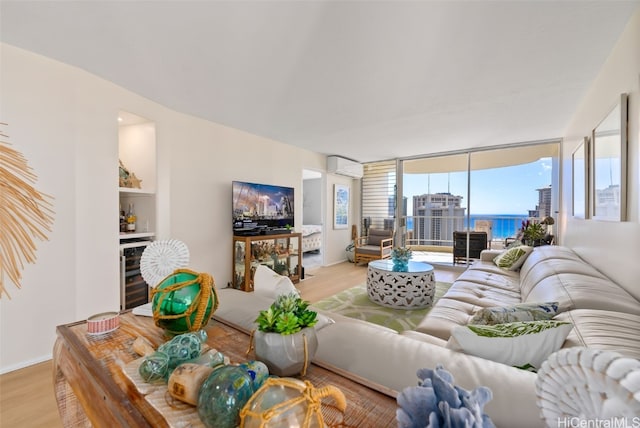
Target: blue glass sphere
{"x": 223, "y": 395}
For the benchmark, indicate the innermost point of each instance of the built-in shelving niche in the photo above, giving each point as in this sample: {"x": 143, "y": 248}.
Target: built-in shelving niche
{"x": 137, "y": 152}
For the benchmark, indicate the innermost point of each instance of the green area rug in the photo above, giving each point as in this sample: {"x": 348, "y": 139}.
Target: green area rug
{"x": 354, "y": 303}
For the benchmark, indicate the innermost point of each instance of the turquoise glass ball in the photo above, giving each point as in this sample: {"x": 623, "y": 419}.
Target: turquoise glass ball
{"x": 258, "y": 372}
{"x": 172, "y": 307}
{"x": 223, "y": 395}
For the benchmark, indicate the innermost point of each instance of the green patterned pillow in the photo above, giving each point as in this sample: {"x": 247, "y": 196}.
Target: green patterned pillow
{"x": 513, "y": 258}
{"x": 520, "y": 312}
{"x": 516, "y": 343}
{"x": 515, "y": 329}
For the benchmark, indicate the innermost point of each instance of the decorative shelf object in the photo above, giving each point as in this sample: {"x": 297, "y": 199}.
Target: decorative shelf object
{"x": 280, "y": 253}
{"x": 161, "y": 259}
{"x": 136, "y": 191}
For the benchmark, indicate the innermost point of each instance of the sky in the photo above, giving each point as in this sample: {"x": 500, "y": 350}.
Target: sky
{"x": 507, "y": 190}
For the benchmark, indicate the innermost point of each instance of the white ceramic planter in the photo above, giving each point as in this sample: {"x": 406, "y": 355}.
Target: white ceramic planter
{"x": 284, "y": 355}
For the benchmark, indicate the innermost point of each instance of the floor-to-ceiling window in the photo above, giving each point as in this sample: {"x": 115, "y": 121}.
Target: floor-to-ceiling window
{"x": 435, "y": 190}
{"x": 512, "y": 185}
{"x": 489, "y": 190}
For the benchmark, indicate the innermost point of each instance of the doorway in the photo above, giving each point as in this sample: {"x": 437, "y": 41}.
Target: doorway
{"x": 312, "y": 220}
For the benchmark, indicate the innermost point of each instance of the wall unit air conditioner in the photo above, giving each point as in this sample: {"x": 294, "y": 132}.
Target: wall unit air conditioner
{"x": 342, "y": 166}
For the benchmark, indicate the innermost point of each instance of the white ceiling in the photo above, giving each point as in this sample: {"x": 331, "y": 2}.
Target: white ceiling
{"x": 368, "y": 80}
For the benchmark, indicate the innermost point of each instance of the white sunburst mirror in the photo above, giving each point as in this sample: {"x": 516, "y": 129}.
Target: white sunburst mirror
{"x": 161, "y": 258}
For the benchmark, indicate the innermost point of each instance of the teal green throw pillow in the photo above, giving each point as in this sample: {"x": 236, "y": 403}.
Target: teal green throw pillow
{"x": 521, "y": 312}
{"x": 513, "y": 258}
{"x": 516, "y": 344}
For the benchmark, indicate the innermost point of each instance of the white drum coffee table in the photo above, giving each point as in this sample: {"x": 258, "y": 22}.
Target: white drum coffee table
{"x": 410, "y": 289}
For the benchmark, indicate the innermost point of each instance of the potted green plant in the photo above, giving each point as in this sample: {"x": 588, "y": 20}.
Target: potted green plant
{"x": 532, "y": 233}
{"x": 285, "y": 339}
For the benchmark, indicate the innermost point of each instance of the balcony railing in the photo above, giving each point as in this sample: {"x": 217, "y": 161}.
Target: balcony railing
{"x": 437, "y": 231}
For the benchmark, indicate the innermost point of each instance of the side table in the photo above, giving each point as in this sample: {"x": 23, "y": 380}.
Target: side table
{"x": 410, "y": 289}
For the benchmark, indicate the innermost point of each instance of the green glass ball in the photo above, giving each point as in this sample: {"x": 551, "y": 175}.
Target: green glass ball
{"x": 176, "y": 303}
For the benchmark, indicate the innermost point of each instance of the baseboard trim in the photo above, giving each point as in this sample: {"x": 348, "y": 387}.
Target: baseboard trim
{"x": 24, "y": 364}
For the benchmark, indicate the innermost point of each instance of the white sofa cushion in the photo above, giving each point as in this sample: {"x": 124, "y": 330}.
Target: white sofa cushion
{"x": 490, "y": 274}
{"x": 426, "y": 338}
{"x": 483, "y": 295}
{"x": 583, "y": 291}
{"x": 552, "y": 260}
{"x": 445, "y": 315}
{"x": 551, "y": 268}
{"x": 392, "y": 360}
{"x": 547, "y": 252}
{"x": 240, "y": 309}
{"x": 605, "y": 330}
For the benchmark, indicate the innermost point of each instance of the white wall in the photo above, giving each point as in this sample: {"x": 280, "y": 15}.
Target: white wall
{"x": 205, "y": 159}
{"x": 613, "y": 247}
{"x": 64, "y": 121}
{"x": 64, "y": 134}
{"x": 137, "y": 151}
{"x": 312, "y": 201}
{"x": 338, "y": 239}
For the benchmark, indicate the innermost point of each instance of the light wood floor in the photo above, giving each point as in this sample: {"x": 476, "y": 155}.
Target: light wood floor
{"x": 27, "y": 399}
{"x": 326, "y": 281}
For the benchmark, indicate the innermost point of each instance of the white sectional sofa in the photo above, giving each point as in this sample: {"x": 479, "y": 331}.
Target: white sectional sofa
{"x": 604, "y": 316}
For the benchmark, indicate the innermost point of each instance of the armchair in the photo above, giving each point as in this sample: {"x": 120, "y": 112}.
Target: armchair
{"x": 377, "y": 245}
{"x": 477, "y": 243}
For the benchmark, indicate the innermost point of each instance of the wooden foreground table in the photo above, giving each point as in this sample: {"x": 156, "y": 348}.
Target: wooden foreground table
{"x": 93, "y": 389}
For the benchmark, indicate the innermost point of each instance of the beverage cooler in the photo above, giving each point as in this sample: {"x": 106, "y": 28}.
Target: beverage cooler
{"x": 134, "y": 291}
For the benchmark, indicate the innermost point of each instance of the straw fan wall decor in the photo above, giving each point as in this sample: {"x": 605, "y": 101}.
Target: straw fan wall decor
{"x": 25, "y": 214}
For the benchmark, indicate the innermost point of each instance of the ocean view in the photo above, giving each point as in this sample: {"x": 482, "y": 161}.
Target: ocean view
{"x": 504, "y": 225}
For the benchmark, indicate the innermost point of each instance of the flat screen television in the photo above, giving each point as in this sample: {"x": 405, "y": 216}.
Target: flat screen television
{"x": 261, "y": 206}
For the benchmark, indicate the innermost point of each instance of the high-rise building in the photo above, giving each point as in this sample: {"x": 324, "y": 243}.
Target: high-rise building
{"x": 543, "y": 209}
{"x": 435, "y": 217}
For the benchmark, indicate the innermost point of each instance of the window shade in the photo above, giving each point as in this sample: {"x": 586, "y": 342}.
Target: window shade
{"x": 378, "y": 194}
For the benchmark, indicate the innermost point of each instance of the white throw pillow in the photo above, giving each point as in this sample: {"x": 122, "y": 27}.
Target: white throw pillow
{"x": 323, "y": 321}
{"x": 513, "y": 258}
{"x": 285, "y": 286}
{"x": 517, "y": 344}
{"x": 269, "y": 284}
